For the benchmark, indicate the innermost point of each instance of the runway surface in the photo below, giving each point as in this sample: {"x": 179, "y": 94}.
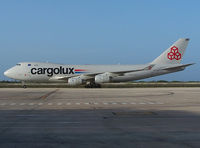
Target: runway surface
{"x": 134, "y": 117}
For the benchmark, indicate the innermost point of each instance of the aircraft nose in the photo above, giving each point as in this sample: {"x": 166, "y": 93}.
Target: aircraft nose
{"x": 7, "y": 73}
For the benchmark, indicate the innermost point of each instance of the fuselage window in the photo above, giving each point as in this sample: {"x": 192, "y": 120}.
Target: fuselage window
{"x": 18, "y": 64}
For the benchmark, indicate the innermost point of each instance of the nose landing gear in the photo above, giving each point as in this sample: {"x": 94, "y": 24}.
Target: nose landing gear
{"x": 24, "y": 85}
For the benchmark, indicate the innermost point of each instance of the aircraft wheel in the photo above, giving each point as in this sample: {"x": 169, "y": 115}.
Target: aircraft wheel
{"x": 97, "y": 85}
{"x": 93, "y": 85}
{"x": 87, "y": 86}
{"x": 24, "y": 86}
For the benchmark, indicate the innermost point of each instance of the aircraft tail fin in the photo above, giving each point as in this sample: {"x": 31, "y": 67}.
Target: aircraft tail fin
{"x": 174, "y": 54}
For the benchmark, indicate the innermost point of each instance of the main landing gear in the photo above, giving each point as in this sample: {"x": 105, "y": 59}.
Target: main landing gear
{"x": 93, "y": 85}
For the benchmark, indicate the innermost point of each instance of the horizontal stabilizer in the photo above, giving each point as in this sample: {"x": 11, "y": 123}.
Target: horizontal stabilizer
{"x": 181, "y": 67}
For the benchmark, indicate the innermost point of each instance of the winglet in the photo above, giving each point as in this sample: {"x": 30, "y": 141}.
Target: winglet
{"x": 181, "y": 67}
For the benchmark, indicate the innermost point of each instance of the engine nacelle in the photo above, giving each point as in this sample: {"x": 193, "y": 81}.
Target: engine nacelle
{"x": 75, "y": 81}
{"x": 104, "y": 78}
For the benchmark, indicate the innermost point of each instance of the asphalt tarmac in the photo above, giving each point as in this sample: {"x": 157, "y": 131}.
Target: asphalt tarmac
{"x": 128, "y": 117}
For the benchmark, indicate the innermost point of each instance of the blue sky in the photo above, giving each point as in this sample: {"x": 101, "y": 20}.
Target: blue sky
{"x": 98, "y": 32}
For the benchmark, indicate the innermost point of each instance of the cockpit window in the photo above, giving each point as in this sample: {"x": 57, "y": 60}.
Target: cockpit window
{"x": 18, "y": 64}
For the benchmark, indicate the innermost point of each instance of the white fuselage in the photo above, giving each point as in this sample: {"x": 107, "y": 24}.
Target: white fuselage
{"x": 44, "y": 72}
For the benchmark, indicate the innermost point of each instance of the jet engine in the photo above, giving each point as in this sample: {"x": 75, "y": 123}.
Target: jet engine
{"x": 104, "y": 78}
{"x": 75, "y": 81}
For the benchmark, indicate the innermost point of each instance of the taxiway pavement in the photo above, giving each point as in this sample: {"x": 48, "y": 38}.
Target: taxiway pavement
{"x": 121, "y": 117}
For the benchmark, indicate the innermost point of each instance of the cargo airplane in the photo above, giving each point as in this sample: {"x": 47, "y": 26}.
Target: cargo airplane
{"x": 94, "y": 75}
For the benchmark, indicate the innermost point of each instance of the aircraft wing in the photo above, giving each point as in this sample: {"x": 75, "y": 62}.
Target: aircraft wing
{"x": 181, "y": 67}
{"x": 91, "y": 76}
{"x": 120, "y": 73}
{"x": 61, "y": 77}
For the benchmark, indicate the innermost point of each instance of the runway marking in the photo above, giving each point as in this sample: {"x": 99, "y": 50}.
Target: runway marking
{"x": 25, "y": 115}
{"x": 85, "y": 103}
{"x": 48, "y": 94}
{"x": 160, "y": 103}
